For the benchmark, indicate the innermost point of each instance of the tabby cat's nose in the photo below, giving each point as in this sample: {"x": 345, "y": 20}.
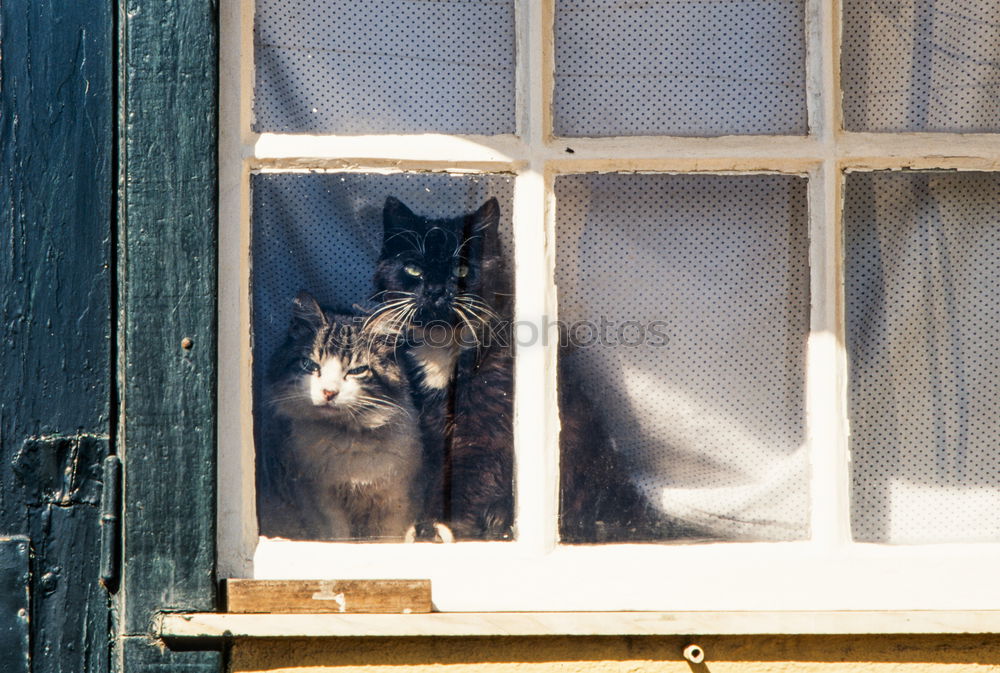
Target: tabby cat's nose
{"x": 330, "y": 394}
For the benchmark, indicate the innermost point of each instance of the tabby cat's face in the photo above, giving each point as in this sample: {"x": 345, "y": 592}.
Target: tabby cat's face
{"x": 332, "y": 369}
{"x": 433, "y": 271}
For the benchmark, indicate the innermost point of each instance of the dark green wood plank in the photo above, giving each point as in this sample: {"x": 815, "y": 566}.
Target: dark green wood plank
{"x": 142, "y": 655}
{"x": 169, "y": 82}
{"x": 56, "y": 187}
{"x": 14, "y": 610}
{"x": 56, "y": 203}
{"x": 61, "y": 479}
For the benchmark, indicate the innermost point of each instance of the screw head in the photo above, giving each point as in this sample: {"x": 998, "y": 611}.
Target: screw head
{"x": 48, "y": 582}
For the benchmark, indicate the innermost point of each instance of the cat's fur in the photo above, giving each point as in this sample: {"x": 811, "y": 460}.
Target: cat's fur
{"x": 348, "y": 454}
{"x": 462, "y": 385}
{"x": 464, "y": 389}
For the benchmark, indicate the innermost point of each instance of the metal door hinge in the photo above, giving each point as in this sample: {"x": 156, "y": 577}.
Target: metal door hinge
{"x": 111, "y": 523}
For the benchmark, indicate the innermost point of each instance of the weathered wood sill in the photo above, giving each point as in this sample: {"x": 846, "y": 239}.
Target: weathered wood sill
{"x": 229, "y": 625}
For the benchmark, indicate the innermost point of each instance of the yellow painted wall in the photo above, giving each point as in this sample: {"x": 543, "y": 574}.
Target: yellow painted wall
{"x": 724, "y": 654}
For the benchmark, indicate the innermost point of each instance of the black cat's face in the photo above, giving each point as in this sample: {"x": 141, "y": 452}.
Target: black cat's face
{"x": 330, "y": 368}
{"x": 433, "y": 271}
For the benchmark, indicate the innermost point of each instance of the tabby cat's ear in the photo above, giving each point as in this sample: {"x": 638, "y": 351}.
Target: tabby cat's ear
{"x": 487, "y": 217}
{"x": 306, "y": 312}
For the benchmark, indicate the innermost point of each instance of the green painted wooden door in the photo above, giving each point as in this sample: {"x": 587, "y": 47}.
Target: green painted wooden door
{"x": 56, "y": 158}
{"x": 107, "y": 262}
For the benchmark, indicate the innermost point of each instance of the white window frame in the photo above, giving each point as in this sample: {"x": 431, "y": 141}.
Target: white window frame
{"x": 828, "y": 572}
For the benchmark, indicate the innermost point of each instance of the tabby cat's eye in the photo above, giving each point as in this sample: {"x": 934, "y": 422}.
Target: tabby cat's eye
{"x": 413, "y": 270}
{"x": 363, "y": 370}
{"x": 308, "y": 365}
{"x": 461, "y": 271}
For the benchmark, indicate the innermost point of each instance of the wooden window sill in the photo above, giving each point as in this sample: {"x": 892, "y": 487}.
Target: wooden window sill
{"x": 203, "y": 625}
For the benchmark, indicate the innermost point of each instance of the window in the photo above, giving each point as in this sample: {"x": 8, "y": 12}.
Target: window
{"x": 776, "y": 300}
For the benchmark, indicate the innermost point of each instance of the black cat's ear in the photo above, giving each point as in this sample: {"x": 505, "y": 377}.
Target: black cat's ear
{"x": 395, "y": 214}
{"x": 397, "y": 220}
{"x": 487, "y": 217}
{"x": 306, "y": 312}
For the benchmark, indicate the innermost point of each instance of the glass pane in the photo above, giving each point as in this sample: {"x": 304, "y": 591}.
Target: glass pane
{"x": 922, "y": 314}
{"x": 684, "y": 304}
{"x": 382, "y": 396}
{"x": 921, "y": 65}
{"x": 679, "y": 67}
{"x": 384, "y": 66}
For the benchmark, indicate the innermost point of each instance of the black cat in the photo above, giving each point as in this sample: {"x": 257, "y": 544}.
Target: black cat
{"x": 444, "y": 282}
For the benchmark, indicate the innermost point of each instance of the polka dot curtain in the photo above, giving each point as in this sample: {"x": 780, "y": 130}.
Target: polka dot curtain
{"x": 921, "y": 65}
{"x": 679, "y": 67}
{"x": 922, "y": 258}
{"x": 711, "y": 414}
{"x": 384, "y": 66}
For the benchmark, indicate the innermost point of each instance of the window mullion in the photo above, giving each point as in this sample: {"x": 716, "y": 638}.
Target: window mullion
{"x": 826, "y": 410}
{"x": 535, "y": 425}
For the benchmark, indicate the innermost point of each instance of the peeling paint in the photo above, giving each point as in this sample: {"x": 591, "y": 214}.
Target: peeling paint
{"x": 61, "y": 470}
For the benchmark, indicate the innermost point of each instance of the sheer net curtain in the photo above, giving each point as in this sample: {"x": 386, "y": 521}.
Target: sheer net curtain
{"x": 922, "y": 262}
{"x": 384, "y": 66}
{"x": 711, "y": 416}
{"x": 679, "y": 67}
{"x": 921, "y": 65}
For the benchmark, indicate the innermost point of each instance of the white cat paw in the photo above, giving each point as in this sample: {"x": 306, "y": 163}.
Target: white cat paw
{"x": 444, "y": 534}
{"x": 411, "y": 534}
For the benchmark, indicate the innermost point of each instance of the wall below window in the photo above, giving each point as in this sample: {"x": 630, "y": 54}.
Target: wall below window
{"x": 741, "y": 654}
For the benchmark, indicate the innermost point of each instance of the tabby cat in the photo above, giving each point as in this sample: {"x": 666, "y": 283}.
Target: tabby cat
{"x": 344, "y": 463}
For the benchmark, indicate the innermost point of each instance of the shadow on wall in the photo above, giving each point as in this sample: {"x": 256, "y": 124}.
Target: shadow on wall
{"x": 636, "y": 654}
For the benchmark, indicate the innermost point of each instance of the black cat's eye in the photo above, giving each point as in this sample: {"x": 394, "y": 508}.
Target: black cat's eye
{"x": 461, "y": 271}
{"x": 413, "y": 270}
{"x": 359, "y": 371}
{"x": 310, "y": 366}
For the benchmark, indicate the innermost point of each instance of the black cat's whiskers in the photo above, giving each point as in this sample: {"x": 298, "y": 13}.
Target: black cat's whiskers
{"x": 389, "y": 319}
{"x": 476, "y": 310}
{"x": 387, "y": 310}
{"x": 458, "y": 248}
{"x": 478, "y": 305}
{"x": 396, "y": 315}
{"x": 468, "y": 323}
{"x": 405, "y": 321}
{"x": 401, "y": 293}
{"x": 389, "y": 323}
{"x": 386, "y": 320}
{"x": 411, "y": 236}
